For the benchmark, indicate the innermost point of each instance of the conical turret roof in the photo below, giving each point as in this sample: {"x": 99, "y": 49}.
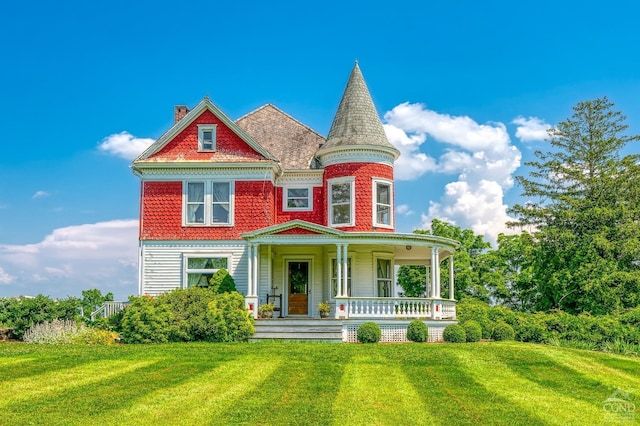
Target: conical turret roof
{"x": 356, "y": 122}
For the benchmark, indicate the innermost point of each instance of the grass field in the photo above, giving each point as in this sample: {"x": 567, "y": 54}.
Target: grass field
{"x": 284, "y": 384}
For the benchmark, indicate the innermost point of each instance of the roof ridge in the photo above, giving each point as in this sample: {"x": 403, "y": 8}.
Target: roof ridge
{"x": 283, "y": 113}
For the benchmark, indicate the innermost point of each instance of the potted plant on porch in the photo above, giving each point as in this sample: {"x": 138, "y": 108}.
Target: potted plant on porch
{"x": 324, "y": 308}
{"x": 266, "y": 310}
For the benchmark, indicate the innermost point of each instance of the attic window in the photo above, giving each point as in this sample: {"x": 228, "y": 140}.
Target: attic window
{"x": 206, "y": 137}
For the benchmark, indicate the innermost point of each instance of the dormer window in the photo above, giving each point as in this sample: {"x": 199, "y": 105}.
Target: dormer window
{"x": 206, "y": 137}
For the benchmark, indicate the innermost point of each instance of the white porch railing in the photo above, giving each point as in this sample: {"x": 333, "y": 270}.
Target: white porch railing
{"x": 107, "y": 309}
{"x": 448, "y": 309}
{"x": 398, "y": 307}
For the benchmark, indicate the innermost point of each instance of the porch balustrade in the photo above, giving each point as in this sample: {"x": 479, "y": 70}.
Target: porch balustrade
{"x": 396, "y": 307}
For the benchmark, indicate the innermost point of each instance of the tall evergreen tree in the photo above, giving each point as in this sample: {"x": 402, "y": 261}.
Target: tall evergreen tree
{"x": 583, "y": 203}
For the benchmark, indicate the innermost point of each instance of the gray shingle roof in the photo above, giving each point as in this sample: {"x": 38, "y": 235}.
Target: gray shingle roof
{"x": 357, "y": 121}
{"x": 290, "y": 141}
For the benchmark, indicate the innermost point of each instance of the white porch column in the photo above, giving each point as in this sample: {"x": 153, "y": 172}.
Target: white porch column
{"x": 251, "y": 300}
{"x": 338, "y": 270}
{"x": 451, "y": 280}
{"x": 250, "y": 270}
{"x": 427, "y": 280}
{"x": 434, "y": 269}
{"x": 345, "y": 271}
{"x": 437, "y": 275}
{"x": 256, "y": 265}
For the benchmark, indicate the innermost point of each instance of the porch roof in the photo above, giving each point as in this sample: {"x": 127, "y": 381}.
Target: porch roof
{"x": 407, "y": 247}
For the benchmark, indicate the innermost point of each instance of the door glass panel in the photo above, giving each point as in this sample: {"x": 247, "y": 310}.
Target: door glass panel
{"x": 298, "y": 277}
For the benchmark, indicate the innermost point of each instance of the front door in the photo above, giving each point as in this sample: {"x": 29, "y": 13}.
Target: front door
{"x": 298, "y": 284}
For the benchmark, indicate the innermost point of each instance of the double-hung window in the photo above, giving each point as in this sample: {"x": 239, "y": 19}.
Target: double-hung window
{"x": 382, "y": 203}
{"x": 384, "y": 277}
{"x": 206, "y": 137}
{"x": 199, "y": 269}
{"x": 341, "y": 202}
{"x": 297, "y": 198}
{"x": 208, "y": 203}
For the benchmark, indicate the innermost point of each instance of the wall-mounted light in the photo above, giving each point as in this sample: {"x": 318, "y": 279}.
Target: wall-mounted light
{"x": 408, "y": 248}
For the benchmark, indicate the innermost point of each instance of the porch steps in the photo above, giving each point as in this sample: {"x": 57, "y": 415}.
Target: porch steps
{"x": 298, "y": 329}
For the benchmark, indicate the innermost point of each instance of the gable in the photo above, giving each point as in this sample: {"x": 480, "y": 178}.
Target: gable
{"x": 297, "y": 231}
{"x": 294, "y": 227}
{"x": 180, "y": 143}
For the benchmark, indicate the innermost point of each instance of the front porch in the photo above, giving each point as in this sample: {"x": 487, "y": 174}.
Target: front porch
{"x": 299, "y": 264}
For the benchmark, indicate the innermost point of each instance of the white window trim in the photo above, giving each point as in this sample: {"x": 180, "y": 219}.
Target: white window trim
{"x": 285, "y": 198}
{"x": 201, "y": 129}
{"x": 330, "y": 182}
{"x": 388, "y": 257}
{"x": 185, "y": 263}
{"x": 331, "y": 277}
{"x": 208, "y": 204}
{"x": 374, "y": 202}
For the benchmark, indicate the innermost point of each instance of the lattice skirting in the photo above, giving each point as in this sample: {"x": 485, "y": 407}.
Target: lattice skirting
{"x": 394, "y": 331}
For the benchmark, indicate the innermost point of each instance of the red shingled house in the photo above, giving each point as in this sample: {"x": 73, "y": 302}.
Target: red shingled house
{"x": 294, "y": 217}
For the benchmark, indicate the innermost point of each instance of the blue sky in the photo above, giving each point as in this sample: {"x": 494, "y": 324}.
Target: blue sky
{"x": 465, "y": 90}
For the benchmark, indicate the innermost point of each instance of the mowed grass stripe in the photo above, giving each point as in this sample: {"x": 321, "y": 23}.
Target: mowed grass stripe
{"x": 52, "y": 384}
{"x": 371, "y": 393}
{"x": 200, "y": 400}
{"x": 537, "y": 401}
{"x": 595, "y": 366}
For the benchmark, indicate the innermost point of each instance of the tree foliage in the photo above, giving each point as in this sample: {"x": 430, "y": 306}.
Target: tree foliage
{"x": 583, "y": 203}
{"x": 467, "y": 276}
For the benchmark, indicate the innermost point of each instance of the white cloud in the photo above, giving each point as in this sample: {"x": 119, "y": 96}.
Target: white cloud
{"x": 404, "y": 210}
{"x": 75, "y": 258}
{"x": 40, "y": 194}
{"x": 481, "y": 155}
{"x": 5, "y": 278}
{"x": 531, "y": 129}
{"x": 125, "y": 145}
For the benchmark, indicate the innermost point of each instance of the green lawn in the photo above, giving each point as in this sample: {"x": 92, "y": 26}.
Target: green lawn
{"x": 291, "y": 383}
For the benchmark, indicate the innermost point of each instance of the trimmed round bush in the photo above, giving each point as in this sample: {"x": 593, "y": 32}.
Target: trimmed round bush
{"x": 417, "y": 331}
{"x": 454, "y": 333}
{"x": 473, "y": 330}
{"x": 369, "y": 332}
{"x": 503, "y": 331}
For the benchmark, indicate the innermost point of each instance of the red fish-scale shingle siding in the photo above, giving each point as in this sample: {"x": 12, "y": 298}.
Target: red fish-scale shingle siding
{"x": 364, "y": 174}
{"x": 161, "y": 213}
{"x": 229, "y": 146}
{"x": 317, "y": 215}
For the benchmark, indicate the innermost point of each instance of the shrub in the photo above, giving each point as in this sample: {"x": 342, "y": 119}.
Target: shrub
{"x": 454, "y": 333}
{"x": 631, "y": 317}
{"x": 229, "y": 318}
{"x": 96, "y": 336}
{"x": 222, "y": 282}
{"x": 531, "y": 328}
{"x": 503, "y": 331}
{"x": 146, "y": 321}
{"x": 57, "y": 332}
{"x": 473, "y": 309}
{"x": 472, "y": 330}
{"x": 369, "y": 332}
{"x": 417, "y": 331}
{"x": 21, "y": 314}
{"x": 189, "y": 309}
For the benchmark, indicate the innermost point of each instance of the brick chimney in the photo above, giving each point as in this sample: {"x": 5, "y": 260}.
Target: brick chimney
{"x": 179, "y": 112}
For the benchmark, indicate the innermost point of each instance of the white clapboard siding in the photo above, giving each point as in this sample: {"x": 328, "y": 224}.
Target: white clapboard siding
{"x": 162, "y": 262}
